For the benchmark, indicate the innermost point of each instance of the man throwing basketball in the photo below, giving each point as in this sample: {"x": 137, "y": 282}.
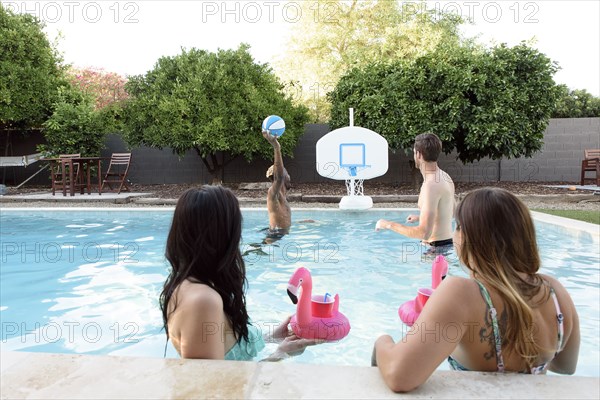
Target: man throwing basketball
{"x": 436, "y": 200}
{"x": 280, "y": 214}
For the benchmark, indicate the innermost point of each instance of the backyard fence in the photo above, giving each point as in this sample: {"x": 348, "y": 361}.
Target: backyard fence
{"x": 558, "y": 161}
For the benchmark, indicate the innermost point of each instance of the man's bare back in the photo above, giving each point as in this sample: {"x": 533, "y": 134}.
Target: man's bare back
{"x": 280, "y": 213}
{"x": 436, "y": 198}
{"x": 437, "y": 195}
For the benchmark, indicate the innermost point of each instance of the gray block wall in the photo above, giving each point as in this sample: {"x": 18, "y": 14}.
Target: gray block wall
{"x": 156, "y": 166}
{"x": 558, "y": 161}
{"x": 560, "y": 158}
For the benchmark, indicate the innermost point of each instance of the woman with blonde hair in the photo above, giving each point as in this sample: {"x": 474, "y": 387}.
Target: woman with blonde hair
{"x": 505, "y": 316}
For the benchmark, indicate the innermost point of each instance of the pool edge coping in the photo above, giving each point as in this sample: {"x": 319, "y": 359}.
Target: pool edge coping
{"x": 569, "y": 224}
{"x": 76, "y": 376}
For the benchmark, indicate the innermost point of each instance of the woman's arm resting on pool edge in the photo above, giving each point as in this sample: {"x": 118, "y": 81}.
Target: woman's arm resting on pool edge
{"x": 408, "y": 363}
{"x": 280, "y": 332}
{"x": 291, "y": 346}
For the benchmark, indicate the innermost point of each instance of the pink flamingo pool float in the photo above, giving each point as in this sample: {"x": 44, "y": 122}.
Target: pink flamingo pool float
{"x": 318, "y": 316}
{"x": 410, "y": 310}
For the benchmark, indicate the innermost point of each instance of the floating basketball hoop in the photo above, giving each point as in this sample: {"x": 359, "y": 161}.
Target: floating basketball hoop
{"x": 356, "y": 199}
{"x": 357, "y": 154}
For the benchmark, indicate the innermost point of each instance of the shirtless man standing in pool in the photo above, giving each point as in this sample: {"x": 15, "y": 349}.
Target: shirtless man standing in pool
{"x": 436, "y": 199}
{"x": 280, "y": 213}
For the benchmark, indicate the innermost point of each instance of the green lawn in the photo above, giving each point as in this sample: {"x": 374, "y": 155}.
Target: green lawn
{"x": 586, "y": 216}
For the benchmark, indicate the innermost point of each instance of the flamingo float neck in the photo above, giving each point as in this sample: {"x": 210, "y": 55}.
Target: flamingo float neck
{"x": 439, "y": 270}
{"x": 303, "y": 297}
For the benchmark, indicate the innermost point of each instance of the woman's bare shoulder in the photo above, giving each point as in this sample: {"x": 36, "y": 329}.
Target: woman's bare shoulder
{"x": 458, "y": 283}
{"x": 558, "y": 287}
{"x": 564, "y": 298}
{"x": 453, "y": 300}
{"x": 190, "y": 294}
{"x": 457, "y": 288}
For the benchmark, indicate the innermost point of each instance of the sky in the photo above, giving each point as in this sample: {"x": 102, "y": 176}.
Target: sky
{"x": 128, "y": 37}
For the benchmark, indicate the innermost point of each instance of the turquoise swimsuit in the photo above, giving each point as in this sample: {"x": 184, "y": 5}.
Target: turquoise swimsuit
{"x": 246, "y": 350}
{"x": 540, "y": 369}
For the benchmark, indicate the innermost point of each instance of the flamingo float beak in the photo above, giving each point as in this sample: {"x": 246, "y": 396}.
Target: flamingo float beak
{"x": 293, "y": 297}
{"x": 292, "y": 291}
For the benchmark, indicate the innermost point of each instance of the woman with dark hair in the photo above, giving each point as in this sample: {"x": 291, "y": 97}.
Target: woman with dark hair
{"x": 505, "y": 317}
{"x": 203, "y": 300}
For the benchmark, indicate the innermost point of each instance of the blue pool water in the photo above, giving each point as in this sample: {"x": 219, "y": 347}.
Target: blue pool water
{"x": 88, "y": 282}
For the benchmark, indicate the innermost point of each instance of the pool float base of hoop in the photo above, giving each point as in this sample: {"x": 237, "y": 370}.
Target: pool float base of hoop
{"x": 356, "y": 203}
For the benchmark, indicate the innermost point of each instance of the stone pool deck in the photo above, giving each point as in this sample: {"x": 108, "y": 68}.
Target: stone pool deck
{"x": 61, "y": 376}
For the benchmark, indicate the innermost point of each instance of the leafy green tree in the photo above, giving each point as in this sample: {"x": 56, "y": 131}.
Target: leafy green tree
{"x": 107, "y": 92}
{"x": 74, "y": 126}
{"x": 332, "y": 37}
{"x": 30, "y": 72}
{"x": 576, "y": 104}
{"x": 482, "y": 102}
{"x": 213, "y": 103}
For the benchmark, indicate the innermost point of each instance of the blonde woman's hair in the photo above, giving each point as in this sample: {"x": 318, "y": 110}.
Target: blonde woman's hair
{"x": 499, "y": 242}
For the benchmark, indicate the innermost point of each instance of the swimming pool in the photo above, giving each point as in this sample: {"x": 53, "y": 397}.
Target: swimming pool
{"x": 88, "y": 282}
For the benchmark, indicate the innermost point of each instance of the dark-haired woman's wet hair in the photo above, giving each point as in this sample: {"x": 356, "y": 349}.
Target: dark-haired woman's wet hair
{"x": 203, "y": 246}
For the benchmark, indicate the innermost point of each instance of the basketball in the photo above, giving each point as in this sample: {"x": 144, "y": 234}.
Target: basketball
{"x": 274, "y": 124}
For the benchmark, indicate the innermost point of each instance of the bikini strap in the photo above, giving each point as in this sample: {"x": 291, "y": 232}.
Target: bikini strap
{"x": 540, "y": 369}
{"x": 495, "y": 327}
{"x": 559, "y": 320}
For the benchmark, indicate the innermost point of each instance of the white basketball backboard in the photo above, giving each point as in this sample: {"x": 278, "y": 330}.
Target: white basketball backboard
{"x": 352, "y": 155}
{"x": 352, "y": 152}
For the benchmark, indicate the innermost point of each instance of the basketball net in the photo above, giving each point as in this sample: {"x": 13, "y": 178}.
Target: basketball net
{"x": 355, "y": 186}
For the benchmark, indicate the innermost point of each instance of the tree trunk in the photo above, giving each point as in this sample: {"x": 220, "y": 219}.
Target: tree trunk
{"x": 499, "y": 170}
{"x": 217, "y": 176}
{"x": 217, "y": 171}
{"x": 214, "y": 167}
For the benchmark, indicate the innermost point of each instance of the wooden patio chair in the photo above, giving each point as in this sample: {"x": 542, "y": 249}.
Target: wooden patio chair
{"x": 117, "y": 171}
{"x": 590, "y": 162}
{"x": 60, "y": 174}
